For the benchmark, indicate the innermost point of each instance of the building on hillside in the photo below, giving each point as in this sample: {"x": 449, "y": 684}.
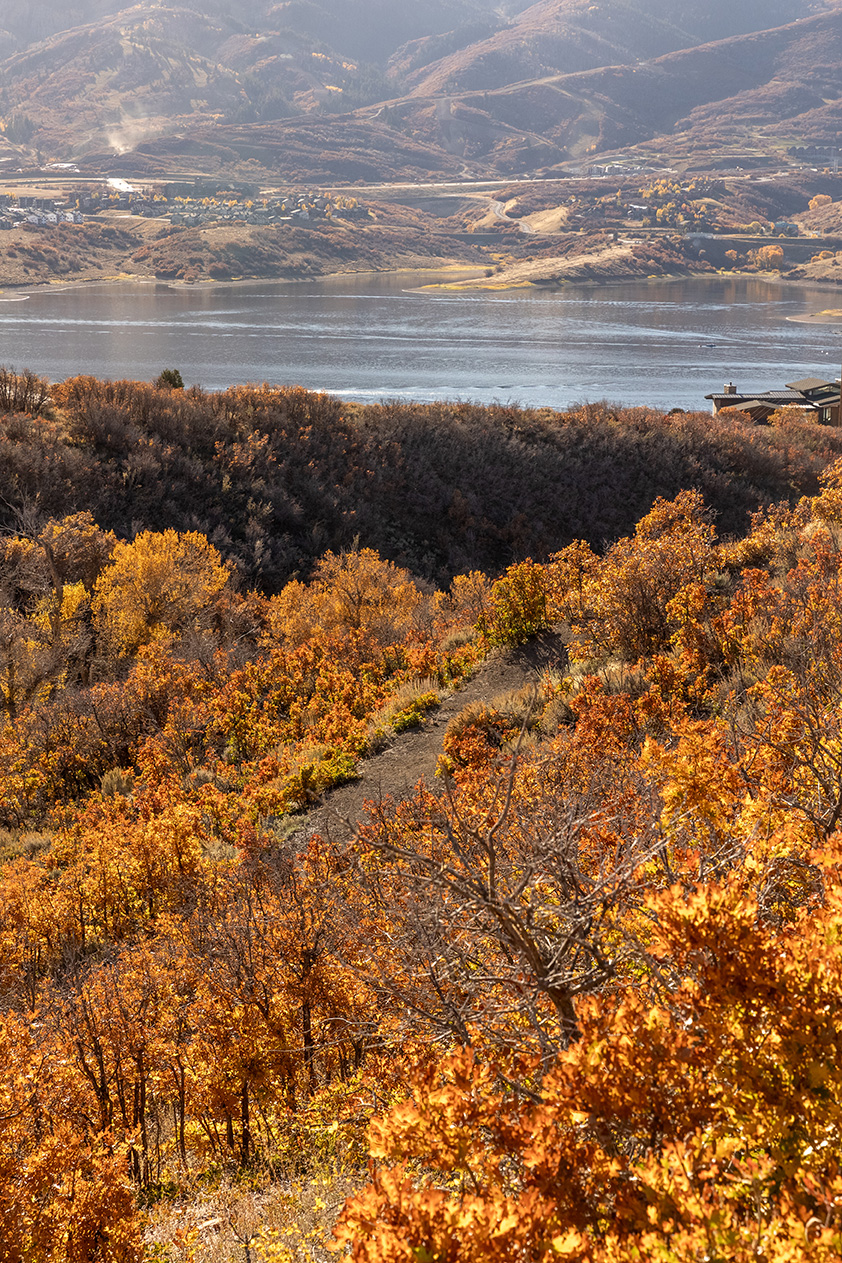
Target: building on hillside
{"x": 812, "y": 394}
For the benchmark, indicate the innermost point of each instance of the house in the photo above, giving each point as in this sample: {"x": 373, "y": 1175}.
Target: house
{"x": 821, "y": 395}
{"x": 810, "y": 393}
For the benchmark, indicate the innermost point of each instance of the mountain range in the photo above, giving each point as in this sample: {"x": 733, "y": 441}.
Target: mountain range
{"x": 365, "y": 90}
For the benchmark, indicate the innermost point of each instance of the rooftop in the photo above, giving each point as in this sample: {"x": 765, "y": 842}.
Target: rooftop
{"x": 811, "y": 383}
{"x": 764, "y": 396}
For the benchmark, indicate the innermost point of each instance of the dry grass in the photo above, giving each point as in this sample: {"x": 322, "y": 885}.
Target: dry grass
{"x": 285, "y": 1223}
{"x": 117, "y": 782}
{"x": 507, "y": 713}
{"x": 518, "y": 706}
{"x": 558, "y": 713}
{"x": 460, "y": 636}
{"x": 404, "y": 709}
{"x": 22, "y": 844}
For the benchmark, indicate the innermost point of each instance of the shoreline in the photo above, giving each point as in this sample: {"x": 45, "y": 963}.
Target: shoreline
{"x": 613, "y": 283}
{"x": 14, "y": 292}
{"x": 453, "y": 277}
{"x": 558, "y": 286}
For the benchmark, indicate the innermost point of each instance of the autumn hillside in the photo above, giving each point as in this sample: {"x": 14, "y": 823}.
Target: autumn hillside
{"x": 574, "y": 997}
{"x": 349, "y": 90}
{"x": 274, "y": 477}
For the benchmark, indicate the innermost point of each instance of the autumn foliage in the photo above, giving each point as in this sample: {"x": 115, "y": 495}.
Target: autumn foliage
{"x": 274, "y": 477}
{"x": 577, "y": 998}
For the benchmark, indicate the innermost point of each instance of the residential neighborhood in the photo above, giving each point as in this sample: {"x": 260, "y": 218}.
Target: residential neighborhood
{"x": 180, "y": 204}
{"x": 41, "y": 212}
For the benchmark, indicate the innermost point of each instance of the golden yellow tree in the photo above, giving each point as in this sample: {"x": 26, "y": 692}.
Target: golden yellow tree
{"x": 353, "y": 591}
{"x": 161, "y": 584}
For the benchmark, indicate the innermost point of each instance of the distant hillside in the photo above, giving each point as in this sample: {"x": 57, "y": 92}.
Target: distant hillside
{"x": 757, "y": 91}
{"x": 95, "y": 75}
{"x": 333, "y": 90}
{"x": 119, "y": 79}
{"x": 375, "y": 28}
{"x": 561, "y": 36}
{"x": 309, "y": 149}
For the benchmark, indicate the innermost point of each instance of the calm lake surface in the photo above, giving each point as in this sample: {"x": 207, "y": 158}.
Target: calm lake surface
{"x": 373, "y": 337}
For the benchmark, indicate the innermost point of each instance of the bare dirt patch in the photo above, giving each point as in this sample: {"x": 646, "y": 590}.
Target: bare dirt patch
{"x": 548, "y": 221}
{"x": 606, "y": 261}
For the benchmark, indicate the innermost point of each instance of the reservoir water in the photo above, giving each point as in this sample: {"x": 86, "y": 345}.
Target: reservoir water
{"x": 370, "y": 337}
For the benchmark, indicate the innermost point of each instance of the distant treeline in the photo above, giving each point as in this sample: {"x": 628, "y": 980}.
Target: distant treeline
{"x": 274, "y": 477}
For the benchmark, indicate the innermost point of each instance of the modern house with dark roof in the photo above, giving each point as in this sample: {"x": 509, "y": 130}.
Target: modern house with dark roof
{"x": 810, "y": 393}
{"x": 821, "y": 395}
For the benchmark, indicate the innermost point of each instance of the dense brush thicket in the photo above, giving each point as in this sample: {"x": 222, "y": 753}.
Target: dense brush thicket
{"x": 274, "y": 477}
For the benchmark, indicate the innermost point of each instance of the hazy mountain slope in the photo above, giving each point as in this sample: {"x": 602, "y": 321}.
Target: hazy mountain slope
{"x": 24, "y": 24}
{"x": 765, "y": 88}
{"x": 755, "y": 89}
{"x": 573, "y": 35}
{"x": 310, "y": 150}
{"x": 119, "y": 79}
{"x": 461, "y": 85}
{"x": 371, "y": 30}
{"x": 799, "y": 94}
{"x": 131, "y": 74}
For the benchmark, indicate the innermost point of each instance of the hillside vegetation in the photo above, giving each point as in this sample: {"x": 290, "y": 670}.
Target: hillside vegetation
{"x": 274, "y": 477}
{"x": 532, "y": 232}
{"x": 132, "y": 247}
{"x": 576, "y": 996}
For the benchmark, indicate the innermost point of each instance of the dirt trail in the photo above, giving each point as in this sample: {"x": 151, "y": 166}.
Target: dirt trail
{"x": 412, "y": 756}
